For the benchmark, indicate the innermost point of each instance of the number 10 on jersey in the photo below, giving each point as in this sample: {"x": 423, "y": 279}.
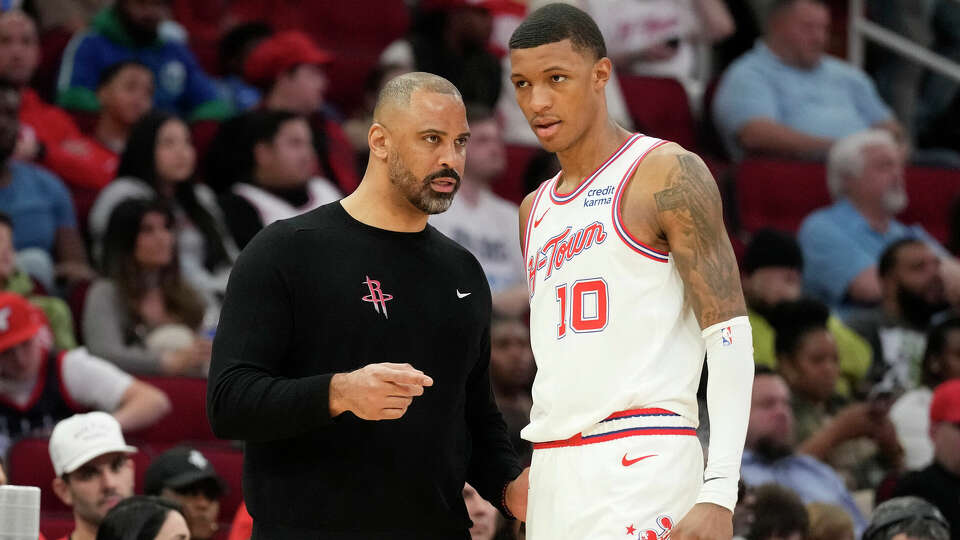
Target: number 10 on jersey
{"x": 585, "y": 304}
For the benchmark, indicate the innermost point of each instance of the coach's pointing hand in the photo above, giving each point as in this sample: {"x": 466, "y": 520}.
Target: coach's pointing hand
{"x": 377, "y": 391}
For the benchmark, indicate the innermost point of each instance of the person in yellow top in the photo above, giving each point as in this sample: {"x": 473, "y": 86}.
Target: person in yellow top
{"x": 772, "y": 269}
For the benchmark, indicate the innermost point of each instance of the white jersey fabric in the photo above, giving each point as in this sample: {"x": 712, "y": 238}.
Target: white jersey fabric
{"x": 609, "y": 327}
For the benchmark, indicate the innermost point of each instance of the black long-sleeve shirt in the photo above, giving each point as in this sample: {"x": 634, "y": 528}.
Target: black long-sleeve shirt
{"x": 302, "y": 304}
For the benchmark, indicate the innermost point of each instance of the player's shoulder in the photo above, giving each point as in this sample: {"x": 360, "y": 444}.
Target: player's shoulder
{"x": 670, "y": 163}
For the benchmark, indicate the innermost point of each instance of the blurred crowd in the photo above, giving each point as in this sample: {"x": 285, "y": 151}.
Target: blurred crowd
{"x": 143, "y": 143}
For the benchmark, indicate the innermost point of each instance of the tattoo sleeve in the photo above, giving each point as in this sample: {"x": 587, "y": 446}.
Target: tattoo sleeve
{"x": 691, "y": 214}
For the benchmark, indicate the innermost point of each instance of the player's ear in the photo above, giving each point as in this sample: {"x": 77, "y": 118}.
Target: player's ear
{"x": 602, "y": 69}
{"x": 377, "y": 138}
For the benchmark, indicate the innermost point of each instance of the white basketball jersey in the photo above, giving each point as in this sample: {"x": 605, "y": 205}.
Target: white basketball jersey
{"x": 609, "y": 327}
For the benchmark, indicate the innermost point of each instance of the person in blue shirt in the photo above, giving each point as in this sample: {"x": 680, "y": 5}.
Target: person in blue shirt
{"x": 787, "y": 97}
{"x": 131, "y": 30}
{"x": 769, "y": 456}
{"x": 39, "y": 206}
{"x": 842, "y": 243}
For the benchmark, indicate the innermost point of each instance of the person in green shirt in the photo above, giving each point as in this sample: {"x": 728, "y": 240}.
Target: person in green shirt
{"x": 15, "y": 280}
{"x": 772, "y": 273}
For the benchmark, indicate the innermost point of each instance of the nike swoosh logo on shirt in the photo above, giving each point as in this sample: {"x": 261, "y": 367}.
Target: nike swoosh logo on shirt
{"x": 714, "y": 478}
{"x": 462, "y": 295}
{"x": 628, "y": 462}
{"x": 536, "y": 223}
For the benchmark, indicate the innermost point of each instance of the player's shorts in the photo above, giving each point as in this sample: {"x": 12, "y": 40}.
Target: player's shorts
{"x": 633, "y": 475}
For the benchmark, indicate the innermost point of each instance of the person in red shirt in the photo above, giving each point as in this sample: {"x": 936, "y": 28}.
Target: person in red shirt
{"x": 48, "y": 135}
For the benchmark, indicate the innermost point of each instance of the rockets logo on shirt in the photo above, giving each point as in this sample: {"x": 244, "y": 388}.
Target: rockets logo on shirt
{"x": 560, "y": 248}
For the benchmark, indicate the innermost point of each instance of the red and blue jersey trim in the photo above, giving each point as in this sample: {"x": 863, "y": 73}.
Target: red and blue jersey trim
{"x": 580, "y": 440}
{"x": 531, "y": 216}
{"x": 564, "y": 199}
{"x": 618, "y": 225}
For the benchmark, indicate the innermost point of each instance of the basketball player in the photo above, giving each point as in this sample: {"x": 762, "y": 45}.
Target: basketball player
{"x": 632, "y": 280}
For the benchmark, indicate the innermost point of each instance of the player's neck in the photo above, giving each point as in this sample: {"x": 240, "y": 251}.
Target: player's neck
{"x": 377, "y": 203}
{"x": 587, "y": 154}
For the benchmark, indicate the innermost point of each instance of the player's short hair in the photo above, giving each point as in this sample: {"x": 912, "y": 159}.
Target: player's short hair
{"x": 557, "y": 22}
{"x": 398, "y": 90}
{"x": 888, "y": 259}
{"x": 109, "y": 74}
{"x": 792, "y": 320}
{"x": 779, "y": 512}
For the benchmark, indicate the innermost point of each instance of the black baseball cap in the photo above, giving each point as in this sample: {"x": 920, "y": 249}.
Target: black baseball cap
{"x": 182, "y": 467}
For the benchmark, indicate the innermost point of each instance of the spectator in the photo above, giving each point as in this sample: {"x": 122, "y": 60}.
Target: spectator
{"x": 288, "y": 67}
{"x": 358, "y": 125}
{"x": 48, "y": 135}
{"x": 779, "y": 515}
{"x": 824, "y": 426}
{"x": 39, "y": 205}
{"x": 829, "y": 522}
{"x": 769, "y": 456}
{"x": 93, "y": 469}
{"x": 143, "y": 316}
{"x": 125, "y": 92}
{"x": 907, "y": 518}
{"x": 159, "y": 162}
{"x": 232, "y": 54}
{"x": 912, "y": 292}
{"x": 941, "y": 362}
{"x": 185, "y": 476}
{"x": 278, "y": 164}
{"x": 485, "y": 223}
{"x": 482, "y": 514}
{"x": 843, "y": 242}
{"x": 15, "y": 280}
{"x": 772, "y": 270}
{"x": 40, "y": 385}
{"x": 939, "y": 482}
{"x": 129, "y": 30}
{"x": 144, "y": 518}
{"x": 786, "y": 97}
{"x": 242, "y": 526}
{"x": 511, "y": 375}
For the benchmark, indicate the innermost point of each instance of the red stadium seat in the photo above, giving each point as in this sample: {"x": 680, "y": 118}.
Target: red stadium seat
{"x": 660, "y": 108}
{"x": 188, "y": 419}
{"x": 510, "y": 184}
{"x": 56, "y": 525}
{"x": 779, "y": 193}
{"x": 30, "y": 466}
{"x": 931, "y": 192}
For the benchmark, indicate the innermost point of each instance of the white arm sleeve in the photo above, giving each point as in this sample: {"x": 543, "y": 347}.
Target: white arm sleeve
{"x": 729, "y": 389}
{"x": 93, "y": 382}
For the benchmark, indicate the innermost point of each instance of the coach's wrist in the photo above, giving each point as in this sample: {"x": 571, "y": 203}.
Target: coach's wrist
{"x": 338, "y": 394}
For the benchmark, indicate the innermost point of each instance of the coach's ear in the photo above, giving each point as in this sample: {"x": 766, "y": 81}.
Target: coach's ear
{"x": 377, "y": 138}
{"x": 601, "y": 73}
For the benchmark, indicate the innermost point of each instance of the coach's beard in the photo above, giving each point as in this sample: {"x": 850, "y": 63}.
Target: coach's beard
{"x": 419, "y": 192}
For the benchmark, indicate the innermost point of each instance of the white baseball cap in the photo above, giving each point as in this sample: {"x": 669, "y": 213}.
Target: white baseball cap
{"x": 83, "y": 437}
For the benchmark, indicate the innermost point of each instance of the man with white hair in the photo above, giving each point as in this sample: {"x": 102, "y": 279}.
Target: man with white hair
{"x": 842, "y": 243}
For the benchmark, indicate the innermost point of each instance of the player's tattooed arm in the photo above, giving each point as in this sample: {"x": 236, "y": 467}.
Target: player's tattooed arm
{"x": 690, "y": 213}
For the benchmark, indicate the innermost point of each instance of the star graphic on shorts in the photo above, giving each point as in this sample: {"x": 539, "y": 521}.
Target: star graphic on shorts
{"x": 631, "y": 529}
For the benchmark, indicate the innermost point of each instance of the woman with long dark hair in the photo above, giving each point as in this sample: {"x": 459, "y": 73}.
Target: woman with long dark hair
{"x": 144, "y": 518}
{"x": 159, "y": 161}
{"x": 142, "y": 315}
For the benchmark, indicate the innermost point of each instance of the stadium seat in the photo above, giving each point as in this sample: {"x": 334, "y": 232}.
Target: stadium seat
{"x": 779, "y": 193}
{"x": 932, "y": 192}
{"x": 30, "y": 466}
{"x": 188, "y": 419}
{"x": 56, "y": 525}
{"x": 660, "y": 107}
{"x": 510, "y": 184}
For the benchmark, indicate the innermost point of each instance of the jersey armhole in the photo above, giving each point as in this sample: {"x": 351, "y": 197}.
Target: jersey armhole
{"x": 618, "y": 224}
{"x": 528, "y": 229}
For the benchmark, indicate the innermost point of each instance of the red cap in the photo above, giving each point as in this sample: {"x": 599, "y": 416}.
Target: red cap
{"x": 946, "y": 403}
{"x": 281, "y": 53}
{"x": 19, "y": 320}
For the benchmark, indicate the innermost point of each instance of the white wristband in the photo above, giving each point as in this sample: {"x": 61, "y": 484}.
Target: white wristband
{"x": 729, "y": 387}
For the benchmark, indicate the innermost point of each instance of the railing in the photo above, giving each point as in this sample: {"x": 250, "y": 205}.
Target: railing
{"x": 861, "y": 29}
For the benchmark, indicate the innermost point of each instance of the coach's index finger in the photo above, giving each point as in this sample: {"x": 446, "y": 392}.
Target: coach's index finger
{"x": 406, "y": 374}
